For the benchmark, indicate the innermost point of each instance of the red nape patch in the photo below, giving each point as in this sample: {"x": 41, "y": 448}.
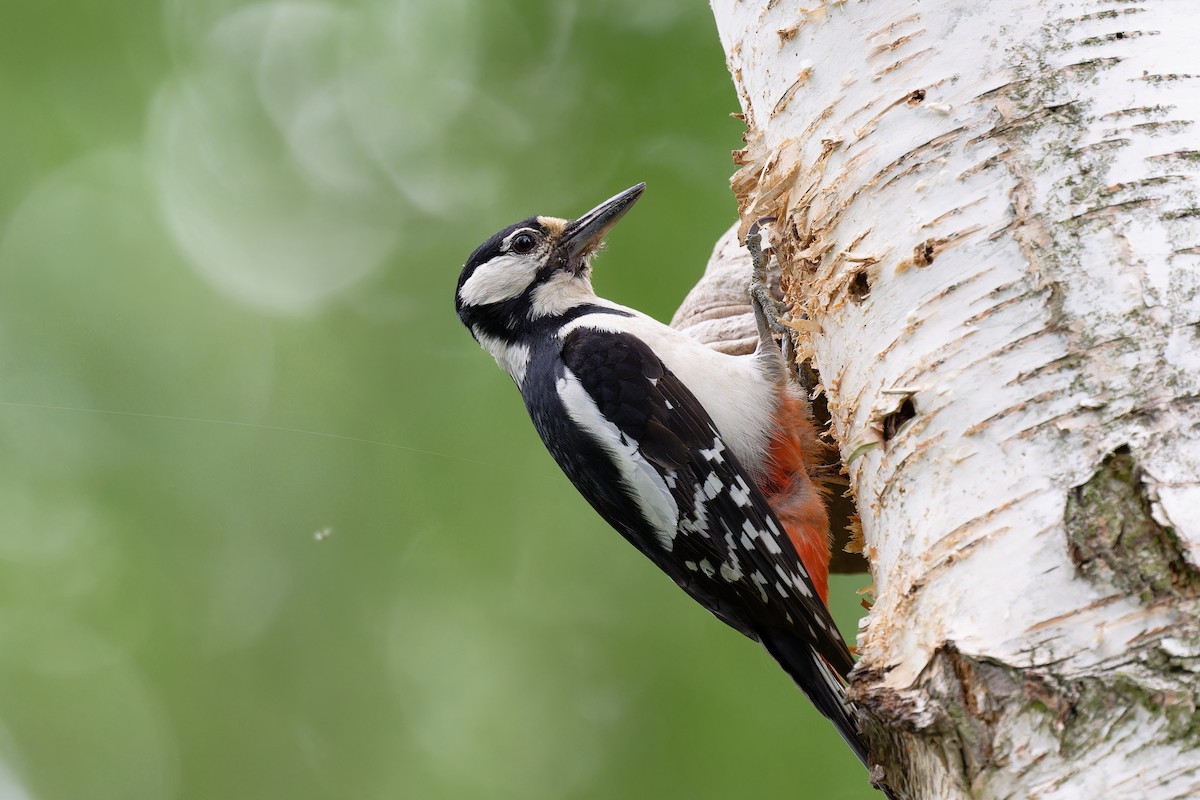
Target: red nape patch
{"x": 792, "y": 495}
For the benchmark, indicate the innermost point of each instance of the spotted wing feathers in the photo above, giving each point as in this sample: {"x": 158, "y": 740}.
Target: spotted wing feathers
{"x": 727, "y": 549}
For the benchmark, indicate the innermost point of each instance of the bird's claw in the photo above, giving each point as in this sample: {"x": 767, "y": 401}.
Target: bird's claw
{"x": 768, "y": 312}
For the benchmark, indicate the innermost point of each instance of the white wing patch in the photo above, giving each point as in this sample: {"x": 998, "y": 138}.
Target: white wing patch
{"x": 647, "y": 485}
{"x": 731, "y": 570}
{"x": 734, "y": 390}
{"x": 740, "y": 492}
{"x": 760, "y": 581}
{"x": 714, "y": 454}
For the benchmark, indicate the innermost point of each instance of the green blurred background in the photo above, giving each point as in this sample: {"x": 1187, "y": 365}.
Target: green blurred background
{"x": 271, "y": 525}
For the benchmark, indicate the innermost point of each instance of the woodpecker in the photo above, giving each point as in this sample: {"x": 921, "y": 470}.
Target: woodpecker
{"x": 696, "y": 457}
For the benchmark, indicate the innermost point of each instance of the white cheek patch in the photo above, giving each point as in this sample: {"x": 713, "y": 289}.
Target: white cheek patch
{"x": 502, "y": 278}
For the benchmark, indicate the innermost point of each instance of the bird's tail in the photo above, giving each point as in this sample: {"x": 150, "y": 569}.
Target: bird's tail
{"x": 824, "y": 687}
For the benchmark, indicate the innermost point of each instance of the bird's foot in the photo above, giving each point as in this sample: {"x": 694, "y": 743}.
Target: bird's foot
{"x": 768, "y": 312}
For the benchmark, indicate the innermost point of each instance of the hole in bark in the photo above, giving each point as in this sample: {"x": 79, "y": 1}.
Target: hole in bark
{"x": 1120, "y": 35}
{"x": 894, "y": 421}
{"x": 916, "y": 97}
{"x": 924, "y": 252}
{"x": 844, "y": 527}
{"x": 860, "y": 287}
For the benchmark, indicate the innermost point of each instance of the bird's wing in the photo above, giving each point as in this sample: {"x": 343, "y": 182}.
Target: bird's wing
{"x": 702, "y": 519}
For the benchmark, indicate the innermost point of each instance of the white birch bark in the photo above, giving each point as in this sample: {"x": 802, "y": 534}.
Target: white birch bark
{"x": 990, "y": 213}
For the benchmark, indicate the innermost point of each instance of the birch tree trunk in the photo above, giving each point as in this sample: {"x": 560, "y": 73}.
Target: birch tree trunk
{"x": 990, "y": 213}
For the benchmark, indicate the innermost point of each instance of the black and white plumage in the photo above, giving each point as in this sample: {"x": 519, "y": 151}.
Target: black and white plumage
{"x": 653, "y": 429}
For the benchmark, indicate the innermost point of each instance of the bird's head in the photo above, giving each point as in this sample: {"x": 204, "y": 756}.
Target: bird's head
{"x": 535, "y": 269}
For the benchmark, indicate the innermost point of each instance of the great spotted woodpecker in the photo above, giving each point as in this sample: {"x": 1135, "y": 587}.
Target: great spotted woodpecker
{"x": 696, "y": 457}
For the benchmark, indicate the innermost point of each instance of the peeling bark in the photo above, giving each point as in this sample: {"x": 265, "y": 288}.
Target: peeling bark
{"x": 990, "y": 216}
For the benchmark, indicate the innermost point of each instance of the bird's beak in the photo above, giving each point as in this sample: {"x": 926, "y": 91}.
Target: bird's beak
{"x": 584, "y": 235}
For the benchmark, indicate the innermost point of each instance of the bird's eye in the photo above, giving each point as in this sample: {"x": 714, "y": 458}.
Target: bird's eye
{"x": 523, "y": 242}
